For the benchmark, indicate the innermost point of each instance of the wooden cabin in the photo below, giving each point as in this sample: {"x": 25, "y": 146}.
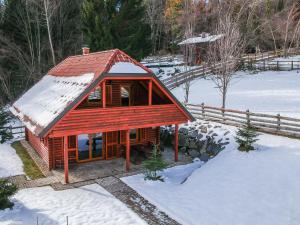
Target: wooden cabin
{"x": 95, "y": 106}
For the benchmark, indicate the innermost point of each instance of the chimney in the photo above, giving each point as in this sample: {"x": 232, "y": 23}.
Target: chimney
{"x": 85, "y": 50}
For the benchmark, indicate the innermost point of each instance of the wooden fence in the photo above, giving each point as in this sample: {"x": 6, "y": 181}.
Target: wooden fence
{"x": 275, "y": 124}
{"x": 19, "y": 130}
{"x": 251, "y": 60}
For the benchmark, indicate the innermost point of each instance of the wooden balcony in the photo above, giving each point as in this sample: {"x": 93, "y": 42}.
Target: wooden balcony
{"x": 117, "y": 118}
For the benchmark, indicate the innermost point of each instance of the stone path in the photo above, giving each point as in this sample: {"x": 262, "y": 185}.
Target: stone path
{"x": 136, "y": 202}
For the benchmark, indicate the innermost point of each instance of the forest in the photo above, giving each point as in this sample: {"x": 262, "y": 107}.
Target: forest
{"x": 35, "y": 35}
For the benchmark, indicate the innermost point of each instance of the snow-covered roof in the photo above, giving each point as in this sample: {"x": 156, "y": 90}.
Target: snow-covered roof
{"x": 41, "y": 104}
{"x": 126, "y": 67}
{"x": 201, "y": 39}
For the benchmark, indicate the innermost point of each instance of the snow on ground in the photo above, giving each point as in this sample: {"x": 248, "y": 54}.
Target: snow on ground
{"x": 166, "y": 66}
{"x": 268, "y": 92}
{"x": 85, "y": 205}
{"x": 260, "y": 187}
{"x": 10, "y": 163}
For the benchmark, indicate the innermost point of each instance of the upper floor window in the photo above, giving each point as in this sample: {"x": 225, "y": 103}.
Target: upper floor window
{"x": 95, "y": 96}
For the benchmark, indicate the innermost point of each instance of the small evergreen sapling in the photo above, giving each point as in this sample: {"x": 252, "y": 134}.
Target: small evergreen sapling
{"x": 7, "y": 189}
{"x": 246, "y": 137}
{"x": 154, "y": 165}
{"x": 5, "y": 133}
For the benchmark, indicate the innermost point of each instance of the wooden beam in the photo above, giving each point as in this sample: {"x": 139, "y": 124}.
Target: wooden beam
{"x": 66, "y": 159}
{"x": 150, "y": 92}
{"x": 176, "y": 143}
{"x": 127, "y": 150}
{"x": 104, "y": 94}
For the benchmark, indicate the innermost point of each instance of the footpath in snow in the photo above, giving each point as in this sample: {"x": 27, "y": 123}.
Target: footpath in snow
{"x": 267, "y": 92}
{"x": 260, "y": 187}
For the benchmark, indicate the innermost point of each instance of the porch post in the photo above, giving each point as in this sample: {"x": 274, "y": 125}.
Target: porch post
{"x": 66, "y": 159}
{"x": 176, "y": 142}
{"x": 127, "y": 150}
{"x": 104, "y": 94}
{"x": 150, "y": 92}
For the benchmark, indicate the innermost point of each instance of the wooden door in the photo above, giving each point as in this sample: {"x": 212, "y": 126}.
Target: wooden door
{"x": 111, "y": 145}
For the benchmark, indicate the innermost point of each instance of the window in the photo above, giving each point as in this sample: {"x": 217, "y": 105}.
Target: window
{"x": 133, "y": 134}
{"x": 95, "y": 96}
{"x": 72, "y": 142}
{"x": 125, "y": 96}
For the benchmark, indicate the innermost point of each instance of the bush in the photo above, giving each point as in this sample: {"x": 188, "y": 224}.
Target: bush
{"x": 154, "y": 165}
{"x": 246, "y": 137}
{"x": 5, "y": 133}
{"x": 7, "y": 189}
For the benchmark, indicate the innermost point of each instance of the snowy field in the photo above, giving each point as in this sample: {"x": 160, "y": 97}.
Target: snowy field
{"x": 86, "y": 205}
{"x": 236, "y": 188}
{"x": 10, "y": 163}
{"x": 267, "y": 92}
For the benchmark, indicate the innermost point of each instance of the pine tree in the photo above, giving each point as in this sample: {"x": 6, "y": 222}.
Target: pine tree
{"x": 5, "y": 134}
{"x": 154, "y": 165}
{"x": 130, "y": 30}
{"x": 246, "y": 137}
{"x": 116, "y": 24}
{"x": 96, "y": 23}
{"x": 7, "y": 189}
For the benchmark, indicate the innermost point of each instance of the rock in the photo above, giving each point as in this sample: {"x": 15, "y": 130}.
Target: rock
{"x": 194, "y": 153}
{"x": 183, "y": 130}
{"x": 214, "y": 135}
{"x": 183, "y": 149}
{"x": 209, "y": 126}
{"x": 192, "y": 144}
{"x": 224, "y": 143}
{"x": 193, "y": 134}
{"x": 227, "y": 139}
{"x": 226, "y": 133}
{"x": 210, "y": 132}
{"x": 203, "y": 129}
{"x": 199, "y": 136}
{"x": 204, "y": 157}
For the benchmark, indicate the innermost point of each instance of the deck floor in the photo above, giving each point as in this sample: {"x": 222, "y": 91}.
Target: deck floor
{"x": 115, "y": 167}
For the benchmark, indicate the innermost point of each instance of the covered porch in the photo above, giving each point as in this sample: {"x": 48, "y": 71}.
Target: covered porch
{"x": 112, "y": 152}
{"x": 114, "y": 167}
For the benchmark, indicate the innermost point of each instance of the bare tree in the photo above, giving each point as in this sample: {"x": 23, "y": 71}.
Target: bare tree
{"x": 50, "y": 8}
{"x": 189, "y": 21}
{"x": 155, "y": 18}
{"x": 224, "y": 54}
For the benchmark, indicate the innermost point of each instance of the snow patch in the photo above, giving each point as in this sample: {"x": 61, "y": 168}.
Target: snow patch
{"x": 85, "y": 205}
{"x": 10, "y": 163}
{"x": 126, "y": 67}
{"x": 48, "y": 98}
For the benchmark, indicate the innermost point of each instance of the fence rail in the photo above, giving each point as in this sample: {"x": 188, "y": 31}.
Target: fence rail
{"x": 275, "y": 124}
{"x": 20, "y": 130}
{"x": 249, "y": 59}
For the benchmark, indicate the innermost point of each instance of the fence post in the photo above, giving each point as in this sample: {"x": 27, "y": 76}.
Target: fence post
{"x": 278, "y": 121}
{"x": 264, "y": 64}
{"x": 277, "y": 66}
{"x": 203, "y": 110}
{"x": 248, "y": 117}
{"x": 292, "y": 65}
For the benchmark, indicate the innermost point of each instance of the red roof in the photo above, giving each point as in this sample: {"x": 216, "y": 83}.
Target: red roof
{"x": 96, "y": 63}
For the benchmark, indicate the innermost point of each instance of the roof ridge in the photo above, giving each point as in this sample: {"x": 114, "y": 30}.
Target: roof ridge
{"x": 94, "y": 53}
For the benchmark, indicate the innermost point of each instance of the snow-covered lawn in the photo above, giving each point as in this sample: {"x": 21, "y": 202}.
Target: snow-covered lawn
{"x": 268, "y": 92}
{"x": 10, "y": 163}
{"x": 236, "y": 188}
{"x": 86, "y": 205}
